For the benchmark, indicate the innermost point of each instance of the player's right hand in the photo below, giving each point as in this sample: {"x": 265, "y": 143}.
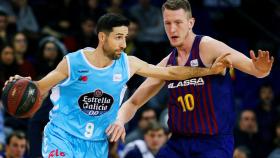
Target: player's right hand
{"x": 220, "y": 64}
{"x": 12, "y": 78}
{"x": 115, "y": 131}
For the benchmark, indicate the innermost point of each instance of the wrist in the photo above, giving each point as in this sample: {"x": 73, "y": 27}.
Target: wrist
{"x": 210, "y": 71}
{"x": 120, "y": 122}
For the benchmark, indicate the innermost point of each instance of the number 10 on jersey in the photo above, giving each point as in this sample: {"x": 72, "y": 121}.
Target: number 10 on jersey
{"x": 187, "y": 102}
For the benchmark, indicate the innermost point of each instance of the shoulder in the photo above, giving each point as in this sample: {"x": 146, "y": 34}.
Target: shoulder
{"x": 208, "y": 41}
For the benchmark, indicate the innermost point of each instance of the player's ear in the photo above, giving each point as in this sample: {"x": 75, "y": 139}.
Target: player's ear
{"x": 191, "y": 22}
{"x": 101, "y": 37}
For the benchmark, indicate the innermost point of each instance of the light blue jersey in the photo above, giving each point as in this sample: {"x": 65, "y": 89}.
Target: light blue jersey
{"x": 88, "y": 100}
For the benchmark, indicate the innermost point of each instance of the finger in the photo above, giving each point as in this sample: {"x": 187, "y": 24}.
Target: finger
{"x": 11, "y": 79}
{"x": 123, "y": 136}
{"x": 223, "y": 56}
{"x": 17, "y": 77}
{"x": 261, "y": 53}
{"x": 118, "y": 135}
{"x": 29, "y": 78}
{"x": 267, "y": 56}
{"x": 111, "y": 130}
{"x": 252, "y": 55}
{"x": 108, "y": 129}
{"x": 114, "y": 134}
{"x": 271, "y": 59}
{"x": 227, "y": 62}
{"x": 219, "y": 64}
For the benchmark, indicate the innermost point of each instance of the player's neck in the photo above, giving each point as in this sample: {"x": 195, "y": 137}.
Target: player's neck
{"x": 184, "y": 50}
{"x": 98, "y": 59}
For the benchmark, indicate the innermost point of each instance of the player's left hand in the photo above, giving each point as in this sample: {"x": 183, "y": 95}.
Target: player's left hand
{"x": 263, "y": 62}
{"x": 220, "y": 64}
{"x": 115, "y": 131}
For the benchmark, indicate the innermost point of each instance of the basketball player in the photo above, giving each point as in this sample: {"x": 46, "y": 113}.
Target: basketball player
{"x": 200, "y": 110}
{"x": 89, "y": 87}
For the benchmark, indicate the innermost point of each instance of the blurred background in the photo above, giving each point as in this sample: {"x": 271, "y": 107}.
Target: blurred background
{"x": 36, "y": 34}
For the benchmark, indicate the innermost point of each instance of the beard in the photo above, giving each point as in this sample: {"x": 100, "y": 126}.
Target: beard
{"x": 110, "y": 53}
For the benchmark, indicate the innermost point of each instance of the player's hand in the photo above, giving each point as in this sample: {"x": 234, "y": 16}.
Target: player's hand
{"x": 13, "y": 78}
{"x": 263, "y": 62}
{"x": 115, "y": 131}
{"x": 220, "y": 64}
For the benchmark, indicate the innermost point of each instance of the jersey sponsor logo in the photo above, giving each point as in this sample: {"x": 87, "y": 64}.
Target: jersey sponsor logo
{"x": 117, "y": 77}
{"x": 193, "y": 82}
{"x": 56, "y": 153}
{"x": 95, "y": 103}
{"x": 83, "y": 71}
{"x": 83, "y": 78}
{"x": 194, "y": 63}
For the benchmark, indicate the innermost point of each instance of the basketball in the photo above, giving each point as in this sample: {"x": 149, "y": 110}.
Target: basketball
{"x": 21, "y": 98}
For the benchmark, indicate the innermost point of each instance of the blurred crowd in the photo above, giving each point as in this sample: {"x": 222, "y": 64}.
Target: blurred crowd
{"x": 36, "y": 34}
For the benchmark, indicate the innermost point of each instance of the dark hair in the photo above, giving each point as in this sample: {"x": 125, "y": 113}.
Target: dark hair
{"x": 177, "y": 4}
{"x": 3, "y": 46}
{"x": 17, "y": 33}
{"x": 108, "y": 21}
{"x": 145, "y": 109}
{"x": 18, "y": 134}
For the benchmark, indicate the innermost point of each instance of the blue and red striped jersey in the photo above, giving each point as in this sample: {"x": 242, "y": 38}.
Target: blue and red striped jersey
{"x": 202, "y": 105}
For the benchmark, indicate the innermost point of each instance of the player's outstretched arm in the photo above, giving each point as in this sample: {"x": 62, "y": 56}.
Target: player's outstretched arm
{"x": 51, "y": 79}
{"x": 177, "y": 72}
{"x": 258, "y": 66}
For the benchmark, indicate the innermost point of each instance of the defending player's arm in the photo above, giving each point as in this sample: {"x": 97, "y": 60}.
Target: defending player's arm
{"x": 259, "y": 66}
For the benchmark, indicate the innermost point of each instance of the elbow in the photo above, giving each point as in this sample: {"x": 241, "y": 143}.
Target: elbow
{"x": 135, "y": 104}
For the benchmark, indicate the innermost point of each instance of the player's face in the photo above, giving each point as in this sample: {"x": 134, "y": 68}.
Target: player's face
{"x": 178, "y": 24}
{"x": 115, "y": 42}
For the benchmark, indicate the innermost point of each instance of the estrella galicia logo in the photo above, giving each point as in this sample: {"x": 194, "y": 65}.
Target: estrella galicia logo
{"x": 95, "y": 103}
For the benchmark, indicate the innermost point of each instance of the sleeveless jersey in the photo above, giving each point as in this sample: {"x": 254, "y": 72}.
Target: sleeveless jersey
{"x": 202, "y": 105}
{"x": 88, "y": 100}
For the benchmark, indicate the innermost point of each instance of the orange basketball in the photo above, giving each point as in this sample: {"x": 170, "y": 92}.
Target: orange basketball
{"x": 21, "y": 98}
